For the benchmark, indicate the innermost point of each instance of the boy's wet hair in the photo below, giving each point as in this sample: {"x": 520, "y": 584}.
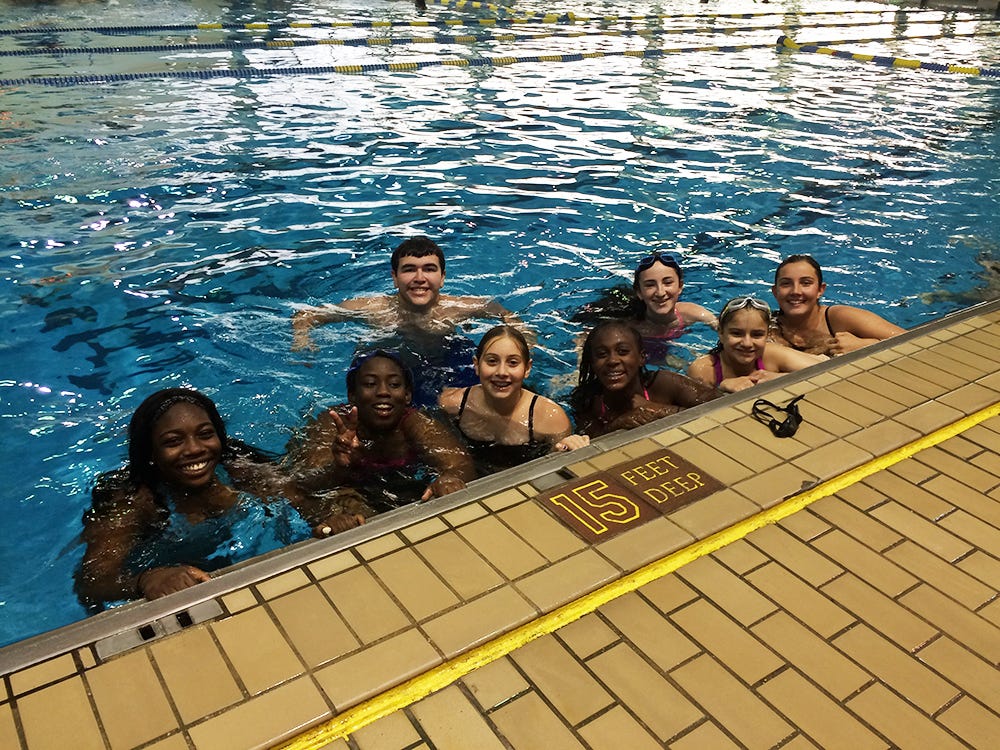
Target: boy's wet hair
{"x": 417, "y": 247}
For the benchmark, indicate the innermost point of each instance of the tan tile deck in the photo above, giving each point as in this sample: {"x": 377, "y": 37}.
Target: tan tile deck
{"x": 869, "y": 618}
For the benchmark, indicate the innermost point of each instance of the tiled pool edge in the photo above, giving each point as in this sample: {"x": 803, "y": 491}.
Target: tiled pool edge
{"x": 290, "y": 559}
{"x": 39, "y": 648}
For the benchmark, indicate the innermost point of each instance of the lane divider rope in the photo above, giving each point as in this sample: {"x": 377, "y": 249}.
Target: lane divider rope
{"x": 437, "y": 678}
{"x": 547, "y": 18}
{"x": 890, "y": 62}
{"x": 366, "y": 68}
{"x": 435, "y": 39}
{"x": 503, "y": 60}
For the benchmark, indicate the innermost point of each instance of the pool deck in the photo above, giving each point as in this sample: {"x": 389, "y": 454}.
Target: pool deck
{"x": 838, "y": 588}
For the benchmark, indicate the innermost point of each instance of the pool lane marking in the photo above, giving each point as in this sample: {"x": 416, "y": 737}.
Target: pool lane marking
{"x": 529, "y": 19}
{"x": 407, "y": 693}
{"x": 493, "y": 36}
{"x": 785, "y": 42}
{"x": 473, "y": 62}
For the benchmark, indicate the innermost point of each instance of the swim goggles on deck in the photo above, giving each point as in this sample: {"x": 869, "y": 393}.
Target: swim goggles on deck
{"x": 668, "y": 260}
{"x": 785, "y": 428}
{"x": 740, "y": 302}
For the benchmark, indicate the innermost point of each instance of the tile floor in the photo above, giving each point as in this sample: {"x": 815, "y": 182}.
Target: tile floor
{"x": 867, "y": 618}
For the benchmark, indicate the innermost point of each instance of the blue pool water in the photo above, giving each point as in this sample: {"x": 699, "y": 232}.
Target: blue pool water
{"x": 162, "y": 232}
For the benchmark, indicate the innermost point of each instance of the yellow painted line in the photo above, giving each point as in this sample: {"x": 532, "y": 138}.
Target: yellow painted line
{"x": 416, "y": 688}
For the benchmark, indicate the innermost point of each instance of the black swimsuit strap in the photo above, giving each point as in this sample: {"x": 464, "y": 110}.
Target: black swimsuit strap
{"x": 461, "y": 407}
{"x": 531, "y": 419}
{"x": 826, "y": 317}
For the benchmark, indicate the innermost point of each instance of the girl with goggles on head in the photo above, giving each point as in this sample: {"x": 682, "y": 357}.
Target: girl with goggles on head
{"x": 657, "y": 313}
{"x": 743, "y": 357}
{"x": 652, "y": 307}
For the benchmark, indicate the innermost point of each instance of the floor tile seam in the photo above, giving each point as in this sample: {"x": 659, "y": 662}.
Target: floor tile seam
{"x": 448, "y": 672}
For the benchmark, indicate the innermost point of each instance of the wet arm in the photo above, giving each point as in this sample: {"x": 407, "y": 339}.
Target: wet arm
{"x": 692, "y": 313}
{"x": 110, "y": 533}
{"x": 440, "y": 449}
{"x": 786, "y": 359}
{"x": 860, "y": 328}
{"x": 685, "y": 392}
{"x": 303, "y": 321}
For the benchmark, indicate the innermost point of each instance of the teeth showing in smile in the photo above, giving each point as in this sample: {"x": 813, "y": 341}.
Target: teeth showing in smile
{"x": 196, "y": 467}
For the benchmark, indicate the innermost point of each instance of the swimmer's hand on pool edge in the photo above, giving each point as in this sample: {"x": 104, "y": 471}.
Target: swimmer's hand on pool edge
{"x": 571, "y": 443}
{"x": 443, "y": 485}
{"x": 157, "y": 582}
{"x": 337, "y": 523}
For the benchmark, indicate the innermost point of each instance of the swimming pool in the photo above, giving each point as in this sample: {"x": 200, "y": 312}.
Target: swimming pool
{"x": 161, "y": 232}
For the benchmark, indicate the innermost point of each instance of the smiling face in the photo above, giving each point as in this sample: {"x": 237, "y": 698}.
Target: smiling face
{"x": 797, "y": 288}
{"x": 380, "y": 393}
{"x": 616, "y": 358}
{"x": 659, "y": 287}
{"x": 743, "y": 337}
{"x": 418, "y": 280}
{"x": 186, "y": 447}
{"x": 502, "y": 368}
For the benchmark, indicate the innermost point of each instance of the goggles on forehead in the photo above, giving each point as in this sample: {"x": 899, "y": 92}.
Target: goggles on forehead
{"x": 657, "y": 257}
{"x": 740, "y": 302}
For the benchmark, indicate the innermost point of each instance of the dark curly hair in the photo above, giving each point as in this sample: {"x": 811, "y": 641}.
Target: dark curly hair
{"x": 589, "y": 386}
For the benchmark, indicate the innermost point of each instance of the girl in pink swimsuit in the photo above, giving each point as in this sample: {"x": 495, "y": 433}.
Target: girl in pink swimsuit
{"x": 743, "y": 357}
{"x": 616, "y": 391}
{"x": 379, "y": 440}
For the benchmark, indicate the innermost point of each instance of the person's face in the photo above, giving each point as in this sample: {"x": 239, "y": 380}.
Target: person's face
{"x": 502, "y": 368}
{"x": 797, "y": 289}
{"x": 616, "y": 359}
{"x": 659, "y": 287}
{"x": 419, "y": 281}
{"x": 743, "y": 336}
{"x": 380, "y": 393}
{"x": 186, "y": 447}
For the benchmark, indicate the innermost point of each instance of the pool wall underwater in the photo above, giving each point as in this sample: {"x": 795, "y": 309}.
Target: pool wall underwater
{"x": 161, "y": 231}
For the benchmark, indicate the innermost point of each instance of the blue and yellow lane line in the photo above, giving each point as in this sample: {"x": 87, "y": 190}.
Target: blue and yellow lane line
{"x": 889, "y": 62}
{"x": 784, "y": 43}
{"x": 386, "y": 41}
{"x": 532, "y": 18}
{"x": 416, "y": 688}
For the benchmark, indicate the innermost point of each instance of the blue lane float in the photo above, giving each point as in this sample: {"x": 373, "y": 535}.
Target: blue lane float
{"x": 785, "y": 43}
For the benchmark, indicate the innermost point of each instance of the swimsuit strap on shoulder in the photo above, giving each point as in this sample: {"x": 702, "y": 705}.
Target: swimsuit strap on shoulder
{"x": 465, "y": 400}
{"x": 717, "y": 367}
{"x": 531, "y": 419}
{"x": 826, "y": 317}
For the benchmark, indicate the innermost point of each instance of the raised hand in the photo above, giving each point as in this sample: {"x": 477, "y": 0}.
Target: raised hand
{"x": 345, "y": 444}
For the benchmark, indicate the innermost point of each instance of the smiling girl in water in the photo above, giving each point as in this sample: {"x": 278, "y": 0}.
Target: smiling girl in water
{"x": 190, "y": 501}
{"x": 617, "y": 392}
{"x": 804, "y": 324}
{"x": 392, "y": 453}
{"x": 743, "y": 357}
{"x": 502, "y": 422}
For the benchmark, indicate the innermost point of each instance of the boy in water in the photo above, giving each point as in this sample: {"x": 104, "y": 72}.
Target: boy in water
{"x": 419, "y": 319}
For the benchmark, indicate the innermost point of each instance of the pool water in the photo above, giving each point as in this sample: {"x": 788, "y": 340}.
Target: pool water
{"x": 161, "y": 232}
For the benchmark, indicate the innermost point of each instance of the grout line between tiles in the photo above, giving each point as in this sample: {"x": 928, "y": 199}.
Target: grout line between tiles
{"x": 416, "y": 688}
